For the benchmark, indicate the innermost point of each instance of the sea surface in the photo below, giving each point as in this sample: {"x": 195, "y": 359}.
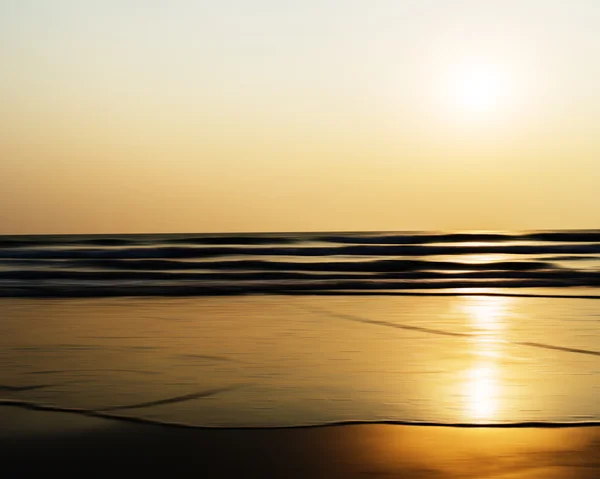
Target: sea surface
{"x": 278, "y": 330}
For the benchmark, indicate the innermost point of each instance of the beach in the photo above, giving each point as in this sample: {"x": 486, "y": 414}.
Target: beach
{"x": 164, "y": 378}
{"x": 74, "y": 445}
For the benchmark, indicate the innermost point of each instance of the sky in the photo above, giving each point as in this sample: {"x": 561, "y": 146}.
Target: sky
{"x": 143, "y": 116}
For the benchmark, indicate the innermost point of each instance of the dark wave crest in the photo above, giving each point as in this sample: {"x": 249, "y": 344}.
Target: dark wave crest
{"x": 207, "y": 288}
{"x": 173, "y": 252}
{"x": 380, "y": 238}
{"x": 356, "y": 266}
{"x": 140, "y": 240}
{"x": 587, "y": 278}
{"x": 414, "y": 239}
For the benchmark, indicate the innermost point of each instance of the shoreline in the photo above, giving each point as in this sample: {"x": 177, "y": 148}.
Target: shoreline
{"x": 101, "y": 414}
{"x": 79, "y": 445}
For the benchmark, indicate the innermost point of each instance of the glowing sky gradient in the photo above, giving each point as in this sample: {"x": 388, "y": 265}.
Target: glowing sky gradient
{"x": 124, "y": 116}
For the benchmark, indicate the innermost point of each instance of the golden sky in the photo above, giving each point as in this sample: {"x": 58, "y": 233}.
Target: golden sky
{"x": 132, "y": 116}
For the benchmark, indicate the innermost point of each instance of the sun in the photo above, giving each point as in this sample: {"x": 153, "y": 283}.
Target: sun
{"x": 479, "y": 89}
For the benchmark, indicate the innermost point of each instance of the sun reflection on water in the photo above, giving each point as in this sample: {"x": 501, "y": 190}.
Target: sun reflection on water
{"x": 481, "y": 391}
{"x": 486, "y": 318}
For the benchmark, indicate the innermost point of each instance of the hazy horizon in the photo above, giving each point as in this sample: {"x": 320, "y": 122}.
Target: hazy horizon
{"x": 519, "y": 234}
{"x": 126, "y": 116}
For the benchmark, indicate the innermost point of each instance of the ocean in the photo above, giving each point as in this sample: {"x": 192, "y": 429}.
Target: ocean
{"x": 295, "y": 329}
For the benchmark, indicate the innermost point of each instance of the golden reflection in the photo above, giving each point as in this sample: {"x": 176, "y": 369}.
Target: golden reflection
{"x": 482, "y": 258}
{"x": 481, "y": 391}
{"x": 486, "y": 315}
{"x": 487, "y": 319}
{"x": 475, "y": 244}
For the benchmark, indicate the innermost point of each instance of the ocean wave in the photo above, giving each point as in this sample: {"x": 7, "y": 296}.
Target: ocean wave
{"x": 324, "y": 266}
{"x": 419, "y": 239}
{"x": 379, "y": 238}
{"x": 220, "y": 288}
{"x": 174, "y": 252}
{"x": 275, "y": 276}
{"x": 292, "y": 263}
{"x": 576, "y": 277}
{"x": 142, "y": 240}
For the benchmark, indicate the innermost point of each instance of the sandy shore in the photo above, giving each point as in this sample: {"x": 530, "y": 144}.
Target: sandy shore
{"x": 79, "y": 446}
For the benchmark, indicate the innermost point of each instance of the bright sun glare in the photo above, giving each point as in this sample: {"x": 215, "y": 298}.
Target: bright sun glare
{"x": 479, "y": 89}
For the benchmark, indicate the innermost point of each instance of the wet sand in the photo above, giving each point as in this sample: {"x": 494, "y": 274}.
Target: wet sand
{"x": 73, "y": 445}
